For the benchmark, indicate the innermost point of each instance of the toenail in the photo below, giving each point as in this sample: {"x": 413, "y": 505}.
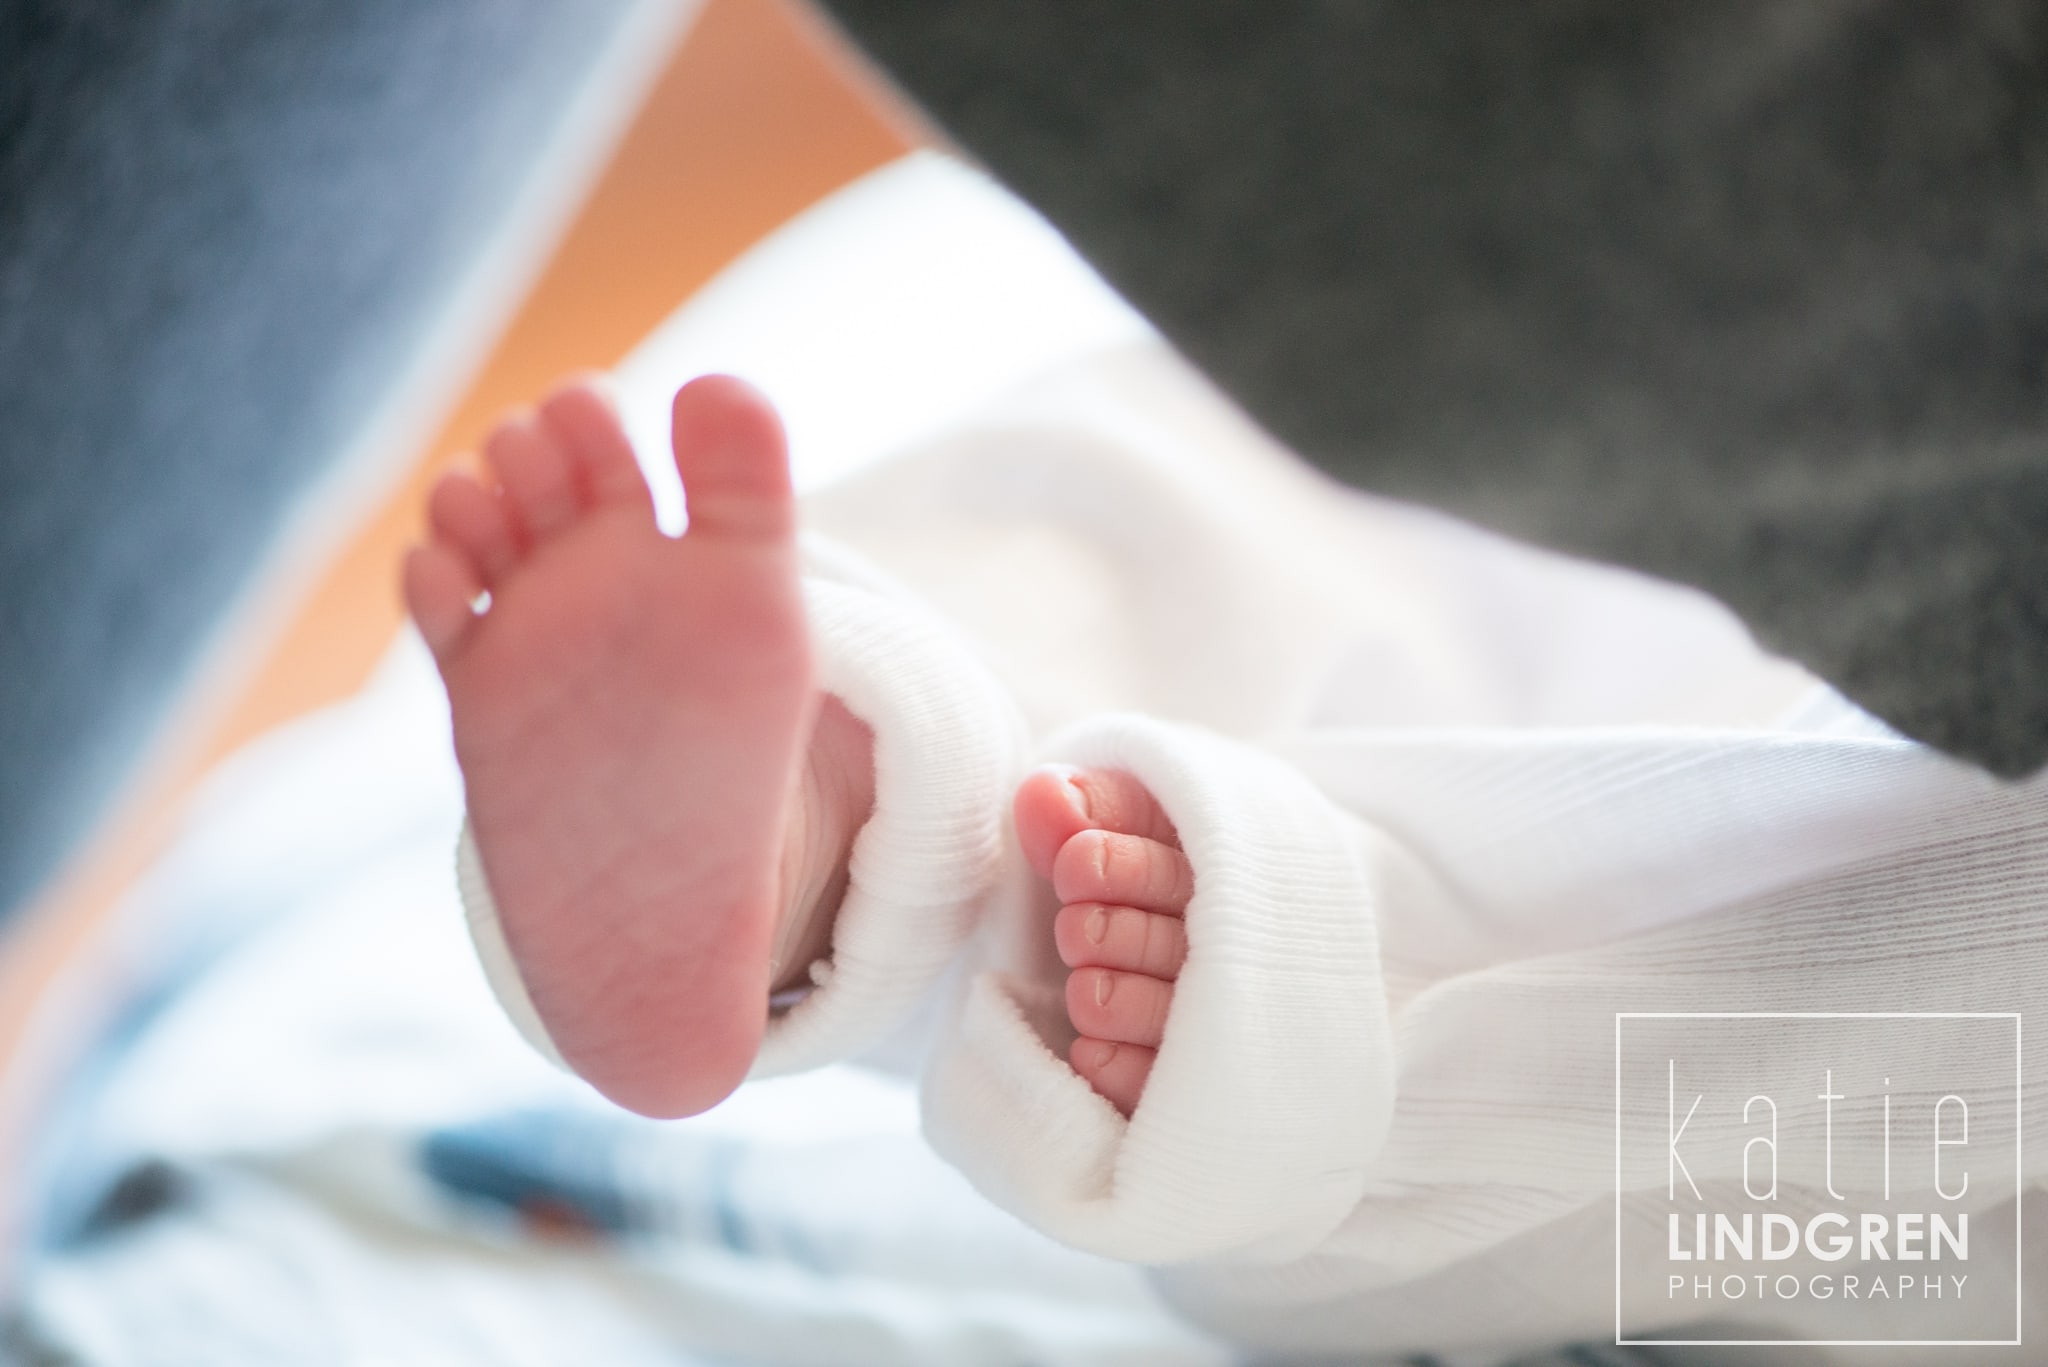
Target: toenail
{"x": 1096, "y": 927}
{"x": 1104, "y": 985}
{"x": 1097, "y": 1053}
{"x": 1072, "y": 778}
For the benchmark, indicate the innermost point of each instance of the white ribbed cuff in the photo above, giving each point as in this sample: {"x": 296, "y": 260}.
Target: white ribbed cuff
{"x": 948, "y": 755}
{"x": 1274, "y": 1085}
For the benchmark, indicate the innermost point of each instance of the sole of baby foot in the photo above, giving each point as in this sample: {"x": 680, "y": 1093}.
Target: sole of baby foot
{"x": 1113, "y": 859}
{"x": 630, "y": 710}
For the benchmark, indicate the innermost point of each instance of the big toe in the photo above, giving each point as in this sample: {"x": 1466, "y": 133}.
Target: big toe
{"x": 734, "y": 460}
{"x": 1057, "y": 802}
{"x": 1049, "y": 809}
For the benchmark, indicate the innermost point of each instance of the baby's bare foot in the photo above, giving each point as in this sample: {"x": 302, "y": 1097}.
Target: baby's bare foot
{"x": 1115, "y": 862}
{"x": 630, "y": 714}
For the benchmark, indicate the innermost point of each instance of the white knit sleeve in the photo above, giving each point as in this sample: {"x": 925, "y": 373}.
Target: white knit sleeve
{"x": 948, "y": 754}
{"x": 1466, "y": 911}
{"x": 1275, "y": 1081}
{"x": 1580, "y": 874}
{"x": 949, "y": 750}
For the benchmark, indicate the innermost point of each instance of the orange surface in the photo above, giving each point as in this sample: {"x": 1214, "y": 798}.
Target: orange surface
{"x": 752, "y": 123}
{"x": 757, "y": 116}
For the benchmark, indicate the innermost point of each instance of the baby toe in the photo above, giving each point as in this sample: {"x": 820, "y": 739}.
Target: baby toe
{"x": 1114, "y": 800}
{"x": 583, "y": 419}
{"x": 1123, "y": 1008}
{"x": 439, "y": 587}
{"x": 1048, "y": 811}
{"x": 1092, "y": 935}
{"x": 474, "y": 523}
{"x": 1055, "y": 802}
{"x": 534, "y": 470}
{"x": 1123, "y": 870}
{"x": 1116, "y": 1071}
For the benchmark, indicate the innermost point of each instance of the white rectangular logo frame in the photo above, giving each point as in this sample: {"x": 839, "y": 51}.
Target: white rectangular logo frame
{"x": 2019, "y": 1184}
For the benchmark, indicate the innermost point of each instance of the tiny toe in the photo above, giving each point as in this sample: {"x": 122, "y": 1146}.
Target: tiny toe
{"x": 539, "y": 484}
{"x": 734, "y": 460}
{"x": 1058, "y": 801}
{"x": 1116, "y": 1071}
{"x": 585, "y": 421}
{"x": 1091, "y": 935}
{"x": 1048, "y": 811}
{"x": 440, "y": 587}
{"x": 474, "y": 522}
{"x": 1126, "y": 1008}
{"x": 1117, "y": 801}
{"x": 1123, "y": 870}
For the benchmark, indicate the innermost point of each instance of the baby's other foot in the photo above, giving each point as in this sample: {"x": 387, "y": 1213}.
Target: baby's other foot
{"x": 630, "y": 711}
{"x": 1116, "y": 864}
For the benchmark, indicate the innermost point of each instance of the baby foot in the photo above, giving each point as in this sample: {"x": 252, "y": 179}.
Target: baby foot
{"x": 630, "y": 714}
{"x": 1123, "y": 883}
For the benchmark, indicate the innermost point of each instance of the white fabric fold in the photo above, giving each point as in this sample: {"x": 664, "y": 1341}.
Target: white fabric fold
{"x": 948, "y": 753}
